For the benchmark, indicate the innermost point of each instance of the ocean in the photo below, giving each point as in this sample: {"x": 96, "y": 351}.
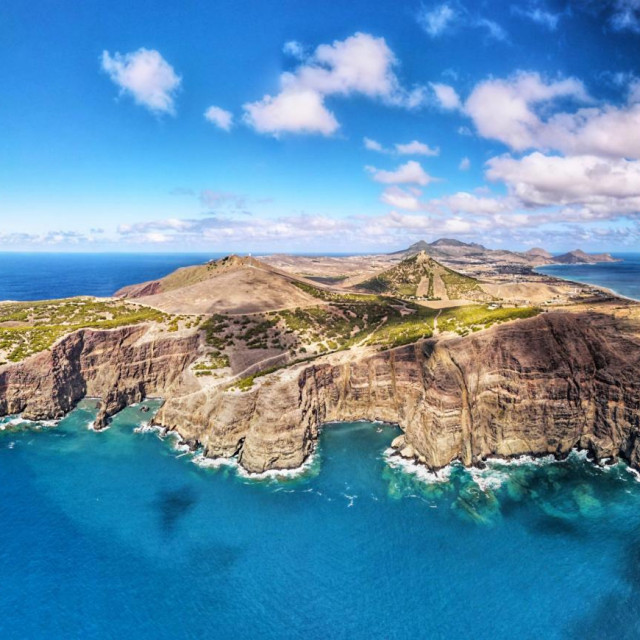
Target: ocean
{"x": 622, "y": 277}
{"x": 41, "y": 276}
{"x": 121, "y": 534}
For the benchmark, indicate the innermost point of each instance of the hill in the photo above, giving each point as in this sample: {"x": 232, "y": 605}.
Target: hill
{"x": 442, "y": 247}
{"x": 231, "y": 285}
{"x": 538, "y": 252}
{"x": 580, "y": 257}
{"x": 421, "y": 276}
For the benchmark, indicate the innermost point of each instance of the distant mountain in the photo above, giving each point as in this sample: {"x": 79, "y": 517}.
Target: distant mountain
{"x": 450, "y": 242}
{"x": 580, "y": 257}
{"x": 456, "y": 251}
{"x": 537, "y": 252}
{"x": 442, "y": 248}
{"x": 416, "y": 247}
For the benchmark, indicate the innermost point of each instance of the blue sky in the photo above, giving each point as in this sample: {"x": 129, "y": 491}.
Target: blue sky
{"x": 318, "y": 126}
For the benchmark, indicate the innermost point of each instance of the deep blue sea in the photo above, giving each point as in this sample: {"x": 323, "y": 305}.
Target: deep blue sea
{"x": 622, "y": 277}
{"x": 41, "y": 276}
{"x": 120, "y": 534}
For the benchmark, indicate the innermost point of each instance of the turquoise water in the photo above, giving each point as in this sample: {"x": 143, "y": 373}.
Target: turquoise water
{"x": 118, "y": 534}
{"x": 622, "y": 277}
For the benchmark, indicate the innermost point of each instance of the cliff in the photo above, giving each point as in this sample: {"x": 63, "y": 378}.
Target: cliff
{"x": 536, "y": 386}
{"x": 120, "y": 366}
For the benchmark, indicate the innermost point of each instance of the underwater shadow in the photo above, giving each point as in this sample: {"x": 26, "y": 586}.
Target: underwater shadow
{"x": 173, "y": 505}
{"x": 617, "y": 614}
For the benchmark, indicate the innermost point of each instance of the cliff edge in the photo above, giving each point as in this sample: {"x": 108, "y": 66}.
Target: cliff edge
{"x": 536, "y": 386}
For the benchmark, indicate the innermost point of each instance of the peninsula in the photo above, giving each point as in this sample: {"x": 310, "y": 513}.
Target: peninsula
{"x": 469, "y": 350}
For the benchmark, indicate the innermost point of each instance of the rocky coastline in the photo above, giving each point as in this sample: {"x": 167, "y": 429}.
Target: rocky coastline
{"x": 539, "y": 386}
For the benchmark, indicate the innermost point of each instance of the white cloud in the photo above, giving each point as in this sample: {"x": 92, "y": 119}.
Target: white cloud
{"x": 444, "y": 18}
{"x": 146, "y": 76}
{"x": 221, "y": 118}
{"x": 463, "y": 202}
{"x": 465, "y": 164}
{"x": 413, "y": 148}
{"x": 446, "y": 96}
{"x": 503, "y": 109}
{"x": 607, "y": 131}
{"x": 360, "y": 64}
{"x": 601, "y": 185}
{"x": 416, "y": 148}
{"x": 408, "y": 173}
{"x": 401, "y": 199}
{"x": 373, "y": 145}
{"x": 294, "y": 49}
{"x": 437, "y": 20}
{"x": 291, "y": 111}
{"x": 507, "y": 110}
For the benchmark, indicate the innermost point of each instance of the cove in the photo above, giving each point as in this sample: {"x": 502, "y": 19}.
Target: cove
{"x": 118, "y": 534}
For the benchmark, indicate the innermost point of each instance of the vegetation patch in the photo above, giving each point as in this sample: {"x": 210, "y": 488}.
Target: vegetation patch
{"x": 214, "y": 360}
{"x": 29, "y": 327}
{"x": 462, "y": 320}
{"x": 458, "y": 285}
{"x": 333, "y": 296}
{"x": 406, "y": 329}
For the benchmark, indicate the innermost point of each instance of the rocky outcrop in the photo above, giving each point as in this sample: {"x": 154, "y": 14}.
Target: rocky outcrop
{"x": 120, "y": 366}
{"x": 537, "y": 386}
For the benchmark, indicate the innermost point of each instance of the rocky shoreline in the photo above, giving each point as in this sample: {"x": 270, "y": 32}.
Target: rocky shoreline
{"x": 540, "y": 386}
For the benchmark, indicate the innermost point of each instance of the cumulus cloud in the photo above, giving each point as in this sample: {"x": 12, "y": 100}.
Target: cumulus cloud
{"x": 463, "y": 202}
{"x": 401, "y": 199}
{"x": 219, "y": 117}
{"x": 409, "y": 173}
{"x": 291, "y": 111}
{"x": 508, "y": 110}
{"x": 361, "y": 64}
{"x": 602, "y": 184}
{"x": 465, "y": 164}
{"x": 146, "y": 76}
{"x": 416, "y": 148}
{"x": 504, "y": 109}
{"x": 446, "y": 96}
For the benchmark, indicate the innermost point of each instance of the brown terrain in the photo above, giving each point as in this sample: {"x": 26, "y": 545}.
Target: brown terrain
{"x": 252, "y": 357}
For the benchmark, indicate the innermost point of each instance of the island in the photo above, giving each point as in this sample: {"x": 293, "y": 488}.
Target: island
{"x": 469, "y": 350}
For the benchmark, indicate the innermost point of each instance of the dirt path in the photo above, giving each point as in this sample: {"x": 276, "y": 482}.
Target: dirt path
{"x": 435, "y": 322}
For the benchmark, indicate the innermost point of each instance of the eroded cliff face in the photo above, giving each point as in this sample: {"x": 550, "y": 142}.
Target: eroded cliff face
{"x": 535, "y": 386}
{"x": 120, "y": 366}
{"x": 538, "y": 386}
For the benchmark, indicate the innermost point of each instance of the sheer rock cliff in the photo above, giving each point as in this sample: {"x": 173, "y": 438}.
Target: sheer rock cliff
{"x": 539, "y": 386}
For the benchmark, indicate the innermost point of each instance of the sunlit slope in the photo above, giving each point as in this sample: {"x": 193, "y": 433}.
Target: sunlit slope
{"x": 420, "y": 276}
